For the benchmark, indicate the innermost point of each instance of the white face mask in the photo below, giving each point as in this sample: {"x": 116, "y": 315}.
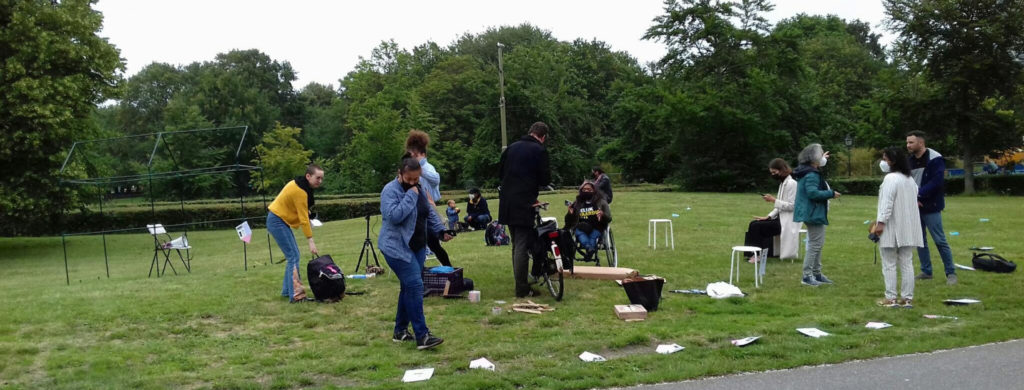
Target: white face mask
{"x": 824, "y": 160}
{"x": 884, "y": 166}
{"x": 471, "y": 196}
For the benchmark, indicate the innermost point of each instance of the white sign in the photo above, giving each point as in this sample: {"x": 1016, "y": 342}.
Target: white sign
{"x": 244, "y": 232}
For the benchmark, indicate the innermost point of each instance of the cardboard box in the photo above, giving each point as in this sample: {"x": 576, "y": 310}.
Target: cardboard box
{"x": 602, "y": 273}
{"x": 630, "y": 312}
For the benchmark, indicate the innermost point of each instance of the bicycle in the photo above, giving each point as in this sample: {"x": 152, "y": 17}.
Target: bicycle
{"x": 550, "y": 262}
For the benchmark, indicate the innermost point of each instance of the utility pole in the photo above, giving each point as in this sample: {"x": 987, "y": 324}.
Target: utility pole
{"x": 501, "y": 101}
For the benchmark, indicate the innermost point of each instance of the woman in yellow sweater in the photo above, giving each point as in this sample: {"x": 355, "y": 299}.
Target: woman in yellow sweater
{"x": 291, "y": 210}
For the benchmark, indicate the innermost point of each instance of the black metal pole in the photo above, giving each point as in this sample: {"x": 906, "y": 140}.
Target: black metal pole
{"x": 67, "y": 275}
{"x": 106, "y": 261}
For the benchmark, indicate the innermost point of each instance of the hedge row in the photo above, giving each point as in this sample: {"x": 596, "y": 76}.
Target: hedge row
{"x": 139, "y": 217}
{"x": 996, "y": 184}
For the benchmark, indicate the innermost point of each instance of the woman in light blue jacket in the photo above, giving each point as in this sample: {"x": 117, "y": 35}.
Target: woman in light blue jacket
{"x": 406, "y": 216}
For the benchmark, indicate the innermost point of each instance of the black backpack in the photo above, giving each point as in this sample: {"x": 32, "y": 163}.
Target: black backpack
{"x": 993, "y": 263}
{"x": 325, "y": 279}
{"x": 495, "y": 234}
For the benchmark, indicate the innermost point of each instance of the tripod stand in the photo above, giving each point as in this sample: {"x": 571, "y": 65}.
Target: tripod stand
{"x": 367, "y": 244}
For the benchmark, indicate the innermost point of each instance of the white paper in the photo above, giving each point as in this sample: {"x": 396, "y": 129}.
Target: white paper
{"x": 316, "y": 222}
{"x": 720, "y": 290}
{"x": 745, "y": 341}
{"x": 482, "y": 363}
{"x": 590, "y": 357}
{"x": 961, "y": 301}
{"x": 418, "y": 375}
{"x": 812, "y": 332}
{"x": 877, "y": 325}
{"x": 244, "y": 232}
{"x": 963, "y": 267}
{"x": 666, "y": 349}
{"x": 936, "y": 316}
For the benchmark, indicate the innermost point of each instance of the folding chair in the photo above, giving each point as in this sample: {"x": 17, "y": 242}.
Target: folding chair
{"x": 166, "y": 247}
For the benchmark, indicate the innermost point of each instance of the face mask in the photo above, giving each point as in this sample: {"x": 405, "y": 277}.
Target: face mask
{"x": 406, "y": 186}
{"x": 472, "y": 196}
{"x": 823, "y": 161}
{"x": 778, "y": 177}
{"x": 586, "y": 195}
{"x": 884, "y": 166}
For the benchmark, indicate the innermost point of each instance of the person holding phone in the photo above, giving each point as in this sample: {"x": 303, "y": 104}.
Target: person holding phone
{"x": 777, "y": 231}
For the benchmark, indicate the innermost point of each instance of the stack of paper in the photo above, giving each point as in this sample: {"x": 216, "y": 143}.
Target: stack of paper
{"x": 745, "y": 341}
{"x": 666, "y": 349}
{"x": 418, "y": 375}
{"x": 812, "y": 332}
{"x": 590, "y": 357}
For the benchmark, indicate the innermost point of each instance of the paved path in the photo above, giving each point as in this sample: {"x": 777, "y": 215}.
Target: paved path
{"x": 990, "y": 366}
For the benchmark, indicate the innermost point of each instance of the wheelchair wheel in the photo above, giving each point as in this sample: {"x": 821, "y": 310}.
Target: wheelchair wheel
{"x": 611, "y": 255}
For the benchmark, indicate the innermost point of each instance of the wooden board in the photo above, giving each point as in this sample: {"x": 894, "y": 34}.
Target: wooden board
{"x": 631, "y": 312}
{"x": 600, "y": 273}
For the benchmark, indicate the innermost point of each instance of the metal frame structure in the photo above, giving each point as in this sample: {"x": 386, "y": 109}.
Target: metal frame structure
{"x": 160, "y": 138}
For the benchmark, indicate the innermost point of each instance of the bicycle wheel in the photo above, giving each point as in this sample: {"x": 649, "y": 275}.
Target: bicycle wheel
{"x": 555, "y": 282}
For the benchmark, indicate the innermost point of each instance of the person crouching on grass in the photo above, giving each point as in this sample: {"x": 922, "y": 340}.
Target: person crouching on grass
{"x": 898, "y": 226}
{"x": 407, "y": 215}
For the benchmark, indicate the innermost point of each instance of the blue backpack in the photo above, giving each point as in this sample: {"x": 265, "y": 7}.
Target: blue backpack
{"x": 495, "y": 234}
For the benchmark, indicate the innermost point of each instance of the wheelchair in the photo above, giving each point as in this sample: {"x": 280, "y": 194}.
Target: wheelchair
{"x": 605, "y": 248}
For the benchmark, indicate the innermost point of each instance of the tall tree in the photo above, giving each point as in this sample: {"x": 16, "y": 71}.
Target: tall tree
{"x": 54, "y": 70}
{"x": 972, "y": 52}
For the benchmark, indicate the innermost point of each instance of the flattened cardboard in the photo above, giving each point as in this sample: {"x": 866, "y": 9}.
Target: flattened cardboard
{"x": 600, "y": 273}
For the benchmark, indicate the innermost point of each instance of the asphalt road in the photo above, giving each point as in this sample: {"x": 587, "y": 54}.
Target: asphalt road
{"x": 990, "y": 366}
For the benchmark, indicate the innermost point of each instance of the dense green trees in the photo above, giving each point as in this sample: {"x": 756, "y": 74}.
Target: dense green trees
{"x": 54, "y": 70}
{"x": 732, "y": 92}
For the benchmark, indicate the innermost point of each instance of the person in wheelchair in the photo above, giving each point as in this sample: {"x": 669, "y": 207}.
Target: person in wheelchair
{"x": 588, "y": 218}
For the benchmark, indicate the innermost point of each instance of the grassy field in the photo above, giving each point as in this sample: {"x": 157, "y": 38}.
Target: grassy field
{"x": 224, "y": 327}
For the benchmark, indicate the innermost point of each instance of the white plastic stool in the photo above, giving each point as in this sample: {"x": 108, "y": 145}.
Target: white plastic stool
{"x": 653, "y": 223}
{"x": 737, "y": 257}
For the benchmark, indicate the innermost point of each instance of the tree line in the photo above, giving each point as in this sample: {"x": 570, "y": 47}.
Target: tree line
{"x": 732, "y": 92}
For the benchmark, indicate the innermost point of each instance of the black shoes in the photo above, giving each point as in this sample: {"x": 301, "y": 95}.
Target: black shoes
{"x": 428, "y": 341}
{"x": 403, "y": 336}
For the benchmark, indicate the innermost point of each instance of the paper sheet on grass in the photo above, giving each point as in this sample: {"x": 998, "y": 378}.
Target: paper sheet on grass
{"x": 812, "y": 332}
{"x": 936, "y": 316}
{"x": 666, "y": 349}
{"x": 964, "y": 267}
{"x": 421, "y": 374}
{"x": 961, "y": 301}
{"x": 590, "y": 357}
{"x": 482, "y": 363}
{"x": 745, "y": 341}
{"x": 721, "y": 290}
{"x": 877, "y": 325}
{"x": 316, "y": 222}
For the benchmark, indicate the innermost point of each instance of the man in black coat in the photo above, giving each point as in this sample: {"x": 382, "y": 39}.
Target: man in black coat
{"x": 524, "y": 167}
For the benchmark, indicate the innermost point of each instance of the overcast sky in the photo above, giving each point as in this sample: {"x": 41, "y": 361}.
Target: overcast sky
{"x": 323, "y": 39}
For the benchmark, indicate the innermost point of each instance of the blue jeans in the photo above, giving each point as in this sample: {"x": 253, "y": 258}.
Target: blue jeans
{"x": 588, "y": 241}
{"x": 932, "y": 223}
{"x": 410, "y": 294}
{"x": 479, "y": 221}
{"x": 282, "y": 233}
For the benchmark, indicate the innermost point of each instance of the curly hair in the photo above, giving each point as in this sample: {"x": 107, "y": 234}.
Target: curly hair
{"x": 417, "y": 141}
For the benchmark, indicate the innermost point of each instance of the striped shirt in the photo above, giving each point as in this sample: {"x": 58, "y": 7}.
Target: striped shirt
{"x": 897, "y": 209}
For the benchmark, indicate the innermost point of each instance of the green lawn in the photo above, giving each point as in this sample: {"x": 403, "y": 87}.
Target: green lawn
{"x": 224, "y": 327}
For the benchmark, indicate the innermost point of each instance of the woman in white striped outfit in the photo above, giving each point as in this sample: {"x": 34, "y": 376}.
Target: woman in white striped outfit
{"x": 898, "y": 227}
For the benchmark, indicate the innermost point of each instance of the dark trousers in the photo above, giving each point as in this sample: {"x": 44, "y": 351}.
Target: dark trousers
{"x": 760, "y": 234}
{"x": 410, "y": 293}
{"x": 434, "y": 243}
{"x": 522, "y": 242}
